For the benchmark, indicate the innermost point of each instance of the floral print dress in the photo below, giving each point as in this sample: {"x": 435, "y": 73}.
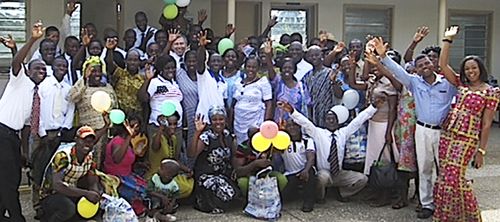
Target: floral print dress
{"x": 215, "y": 189}
{"x": 459, "y": 141}
{"x": 404, "y": 132}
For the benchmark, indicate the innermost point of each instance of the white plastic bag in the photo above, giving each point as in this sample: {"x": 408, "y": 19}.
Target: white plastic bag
{"x": 117, "y": 209}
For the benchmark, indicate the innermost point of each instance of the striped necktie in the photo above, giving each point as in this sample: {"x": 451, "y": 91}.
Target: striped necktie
{"x": 35, "y": 112}
{"x": 333, "y": 158}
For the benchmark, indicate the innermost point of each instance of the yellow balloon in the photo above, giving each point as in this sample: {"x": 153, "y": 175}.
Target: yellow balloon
{"x": 260, "y": 143}
{"x": 281, "y": 141}
{"x": 100, "y": 101}
{"x": 87, "y": 209}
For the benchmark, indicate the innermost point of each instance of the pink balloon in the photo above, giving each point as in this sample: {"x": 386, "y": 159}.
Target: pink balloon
{"x": 269, "y": 129}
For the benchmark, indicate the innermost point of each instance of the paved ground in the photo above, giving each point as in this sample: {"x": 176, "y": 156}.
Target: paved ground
{"x": 486, "y": 185}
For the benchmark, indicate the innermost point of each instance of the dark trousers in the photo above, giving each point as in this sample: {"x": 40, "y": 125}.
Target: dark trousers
{"x": 10, "y": 175}
{"x": 58, "y": 208}
{"x": 309, "y": 187}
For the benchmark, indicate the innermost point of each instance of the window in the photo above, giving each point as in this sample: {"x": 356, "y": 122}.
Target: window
{"x": 473, "y": 37}
{"x": 289, "y": 21}
{"x": 12, "y": 21}
{"x": 75, "y": 21}
{"x": 362, "y": 21}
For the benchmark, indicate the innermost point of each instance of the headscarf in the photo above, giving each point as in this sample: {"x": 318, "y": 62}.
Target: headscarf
{"x": 216, "y": 110}
{"x": 92, "y": 61}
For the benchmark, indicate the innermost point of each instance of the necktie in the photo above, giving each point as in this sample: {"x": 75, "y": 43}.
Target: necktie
{"x": 35, "y": 112}
{"x": 58, "y": 103}
{"x": 143, "y": 37}
{"x": 333, "y": 158}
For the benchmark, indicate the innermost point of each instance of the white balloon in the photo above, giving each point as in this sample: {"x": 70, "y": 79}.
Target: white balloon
{"x": 183, "y": 3}
{"x": 100, "y": 101}
{"x": 341, "y": 112}
{"x": 350, "y": 99}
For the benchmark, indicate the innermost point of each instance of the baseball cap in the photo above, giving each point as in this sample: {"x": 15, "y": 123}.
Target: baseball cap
{"x": 85, "y": 131}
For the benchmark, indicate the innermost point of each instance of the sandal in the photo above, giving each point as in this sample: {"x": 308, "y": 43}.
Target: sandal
{"x": 400, "y": 204}
{"x": 217, "y": 211}
{"x": 380, "y": 203}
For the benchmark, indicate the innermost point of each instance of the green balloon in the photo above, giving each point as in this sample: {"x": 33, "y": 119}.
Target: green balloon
{"x": 170, "y": 11}
{"x": 225, "y": 44}
{"x": 117, "y": 116}
{"x": 168, "y": 108}
{"x": 168, "y": 2}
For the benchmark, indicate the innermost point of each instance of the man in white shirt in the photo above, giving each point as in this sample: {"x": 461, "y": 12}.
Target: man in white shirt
{"x": 143, "y": 32}
{"x": 296, "y": 51}
{"x": 179, "y": 48}
{"x": 56, "y": 113}
{"x": 299, "y": 161}
{"x": 55, "y": 34}
{"x": 18, "y": 104}
{"x": 71, "y": 46}
{"x": 330, "y": 146}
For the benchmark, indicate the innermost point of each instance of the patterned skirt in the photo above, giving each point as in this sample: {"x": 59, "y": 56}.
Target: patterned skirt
{"x": 453, "y": 195}
{"x": 215, "y": 192}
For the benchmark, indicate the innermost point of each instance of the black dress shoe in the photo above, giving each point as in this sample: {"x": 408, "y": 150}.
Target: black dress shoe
{"x": 425, "y": 213}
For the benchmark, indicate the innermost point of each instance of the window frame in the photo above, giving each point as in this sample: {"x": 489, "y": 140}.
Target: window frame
{"x": 311, "y": 10}
{"x": 489, "y": 27}
{"x": 389, "y": 7}
{"x": 5, "y": 62}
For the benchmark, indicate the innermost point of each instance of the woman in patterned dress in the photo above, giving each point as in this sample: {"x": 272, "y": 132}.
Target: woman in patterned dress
{"x": 213, "y": 149}
{"x": 464, "y": 136}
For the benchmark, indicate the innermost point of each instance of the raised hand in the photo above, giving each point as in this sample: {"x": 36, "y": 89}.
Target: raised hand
{"x": 111, "y": 43}
{"x": 421, "y": 33}
{"x": 148, "y": 71}
{"x": 230, "y": 29}
{"x": 333, "y": 75}
{"x": 8, "y": 41}
{"x": 273, "y": 21}
{"x": 451, "y": 32}
{"x": 352, "y": 58}
{"x": 38, "y": 30}
{"x": 202, "y": 38}
{"x": 379, "y": 46}
{"x": 71, "y": 7}
{"x": 132, "y": 130}
{"x": 199, "y": 124}
{"x": 268, "y": 47}
{"x": 202, "y": 16}
{"x": 86, "y": 37}
{"x": 285, "y": 106}
{"x": 339, "y": 47}
{"x": 371, "y": 58}
{"x": 173, "y": 34}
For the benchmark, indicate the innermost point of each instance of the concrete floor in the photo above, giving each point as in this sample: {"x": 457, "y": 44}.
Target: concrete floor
{"x": 486, "y": 188}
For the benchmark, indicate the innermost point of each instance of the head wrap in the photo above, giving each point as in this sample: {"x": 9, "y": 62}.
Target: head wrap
{"x": 281, "y": 48}
{"x": 92, "y": 61}
{"x": 216, "y": 110}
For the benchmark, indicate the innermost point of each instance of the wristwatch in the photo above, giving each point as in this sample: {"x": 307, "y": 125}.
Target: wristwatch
{"x": 481, "y": 151}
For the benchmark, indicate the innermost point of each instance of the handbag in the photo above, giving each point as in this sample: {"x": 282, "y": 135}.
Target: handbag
{"x": 264, "y": 200}
{"x": 117, "y": 209}
{"x": 382, "y": 174}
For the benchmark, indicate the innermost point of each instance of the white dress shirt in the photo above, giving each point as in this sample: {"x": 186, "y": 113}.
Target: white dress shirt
{"x": 323, "y": 137}
{"x": 302, "y": 68}
{"x": 56, "y": 110}
{"x": 17, "y": 100}
{"x": 178, "y": 59}
{"x": 138, "y": 36}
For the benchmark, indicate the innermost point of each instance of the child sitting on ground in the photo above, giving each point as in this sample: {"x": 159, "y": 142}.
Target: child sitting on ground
{"x": 163, "y": 192}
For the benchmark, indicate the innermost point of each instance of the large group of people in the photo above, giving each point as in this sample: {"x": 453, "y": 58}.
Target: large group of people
{"x": 435, "y": 120}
